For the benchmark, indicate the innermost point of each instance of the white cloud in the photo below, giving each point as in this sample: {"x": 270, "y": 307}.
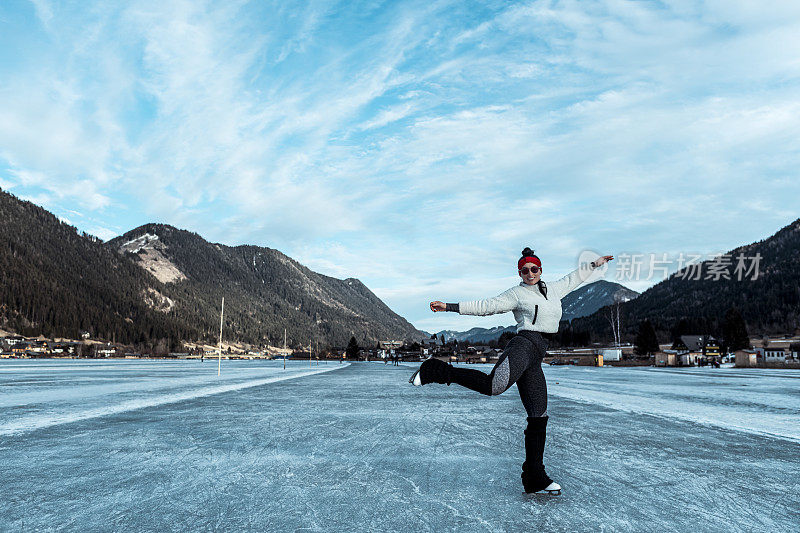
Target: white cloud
{"x": 44, "y": 11}
{"x": 41, "y": 199}
{"x": 388, "y": 116}
{"x": 103, "y": 233}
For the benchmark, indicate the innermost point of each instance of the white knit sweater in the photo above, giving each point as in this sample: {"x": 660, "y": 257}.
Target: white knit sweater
{"x": 532, "y": 310}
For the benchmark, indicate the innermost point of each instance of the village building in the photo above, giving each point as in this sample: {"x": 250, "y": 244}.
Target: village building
{"x": 482, "y": 354}
{"x": 38, "y": 347}
{"x": 666, "y": 358}
{"x": 794, "y": 350}
{"x": 108, "y": 351}
{"x": 579, "y": 356}
{"x": 388, "y": 348}
{"x": 14, "y": 339}
{"x": 431, "y": 346}
{"x": 20, "y": 349}
{"x": 611, "y": 354}
{"x": 746, "y": 358}
{"x": 771, "y": 354}
{"x": 692, "y": 350}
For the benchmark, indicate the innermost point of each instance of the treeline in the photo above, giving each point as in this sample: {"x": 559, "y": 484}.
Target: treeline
{"x": 57, "y": 282}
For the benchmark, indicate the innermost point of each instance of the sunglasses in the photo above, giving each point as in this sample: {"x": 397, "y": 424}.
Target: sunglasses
{"x": 533, "y": 270}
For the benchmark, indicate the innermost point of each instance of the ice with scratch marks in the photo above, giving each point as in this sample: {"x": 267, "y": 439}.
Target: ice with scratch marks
{"x": 169, "y": 446}
{"x": 98, "y": 400}
{"x": 759, "y": 401}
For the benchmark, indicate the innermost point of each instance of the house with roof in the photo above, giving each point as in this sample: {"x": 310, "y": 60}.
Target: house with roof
{"x": 774, "y": 354}
{"x": 746, "y": 358}
{"x": 482, "y": 354}
{"x": 431, "y": 346}
{"x": 20, "y": 349}
{"x": 794, "y": 351}
{"x": 666, "y": 358}
{"x": 695, "y": 349}
{"x": 107, "y": 351}
{"x": 13, "y": 339}
{"x": 388, "y": 348}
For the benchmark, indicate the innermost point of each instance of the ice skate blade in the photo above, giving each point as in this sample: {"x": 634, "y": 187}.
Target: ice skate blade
{"x": 415, "y": 379}
{"x": 553, "y": 489}
{"x": 543, "y": 493}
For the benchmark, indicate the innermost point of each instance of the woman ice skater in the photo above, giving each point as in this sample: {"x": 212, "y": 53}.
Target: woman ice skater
{"x": 537, "y": 309}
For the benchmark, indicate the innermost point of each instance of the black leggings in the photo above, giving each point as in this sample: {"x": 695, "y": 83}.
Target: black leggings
{"x": 520, "y": 363}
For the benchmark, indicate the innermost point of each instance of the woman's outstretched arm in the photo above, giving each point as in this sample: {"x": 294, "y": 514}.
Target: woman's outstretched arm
{"x": 501, "y": 303}
{"x": 573, "y": 280}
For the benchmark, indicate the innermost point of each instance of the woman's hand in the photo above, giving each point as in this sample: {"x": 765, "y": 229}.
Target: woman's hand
{"x": 602, "y": 260}
{"x": 438, "y": 306}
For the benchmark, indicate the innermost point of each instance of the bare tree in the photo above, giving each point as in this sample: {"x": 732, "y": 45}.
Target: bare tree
{"x": 613, "y": 317}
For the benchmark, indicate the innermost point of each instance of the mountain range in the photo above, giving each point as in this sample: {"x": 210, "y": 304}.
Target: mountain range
{"x": 157, "y": 285}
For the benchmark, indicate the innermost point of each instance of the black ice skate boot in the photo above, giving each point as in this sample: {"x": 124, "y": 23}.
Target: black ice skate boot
{"x": 431, "y": 371}
{"x": 534, "y": 478}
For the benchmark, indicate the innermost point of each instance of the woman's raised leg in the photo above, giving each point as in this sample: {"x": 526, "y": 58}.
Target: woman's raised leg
{"x": 512, "y": 363}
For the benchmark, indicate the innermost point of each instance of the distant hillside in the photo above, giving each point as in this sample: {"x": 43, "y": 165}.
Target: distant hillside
{"x": 587, "y": 299}
{"x": 768, "y": 304}
{"x": 583, "y": 301}
{"x": 157, "y": 285}
{"x": 265, "y": 291}
{"x": 476, "y": 335}
{"x": 57, "y": 282}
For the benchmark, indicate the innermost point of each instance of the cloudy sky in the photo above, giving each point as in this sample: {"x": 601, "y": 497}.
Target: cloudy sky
{"x": 418, "y": 146}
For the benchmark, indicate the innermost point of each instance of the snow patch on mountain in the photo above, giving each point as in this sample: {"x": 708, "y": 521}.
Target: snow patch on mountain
{"x": 134, "y": 246}
{"x": 148, "y": 251}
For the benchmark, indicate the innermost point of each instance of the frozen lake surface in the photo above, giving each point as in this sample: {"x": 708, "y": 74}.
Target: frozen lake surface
{"x": 169, "y": 446}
